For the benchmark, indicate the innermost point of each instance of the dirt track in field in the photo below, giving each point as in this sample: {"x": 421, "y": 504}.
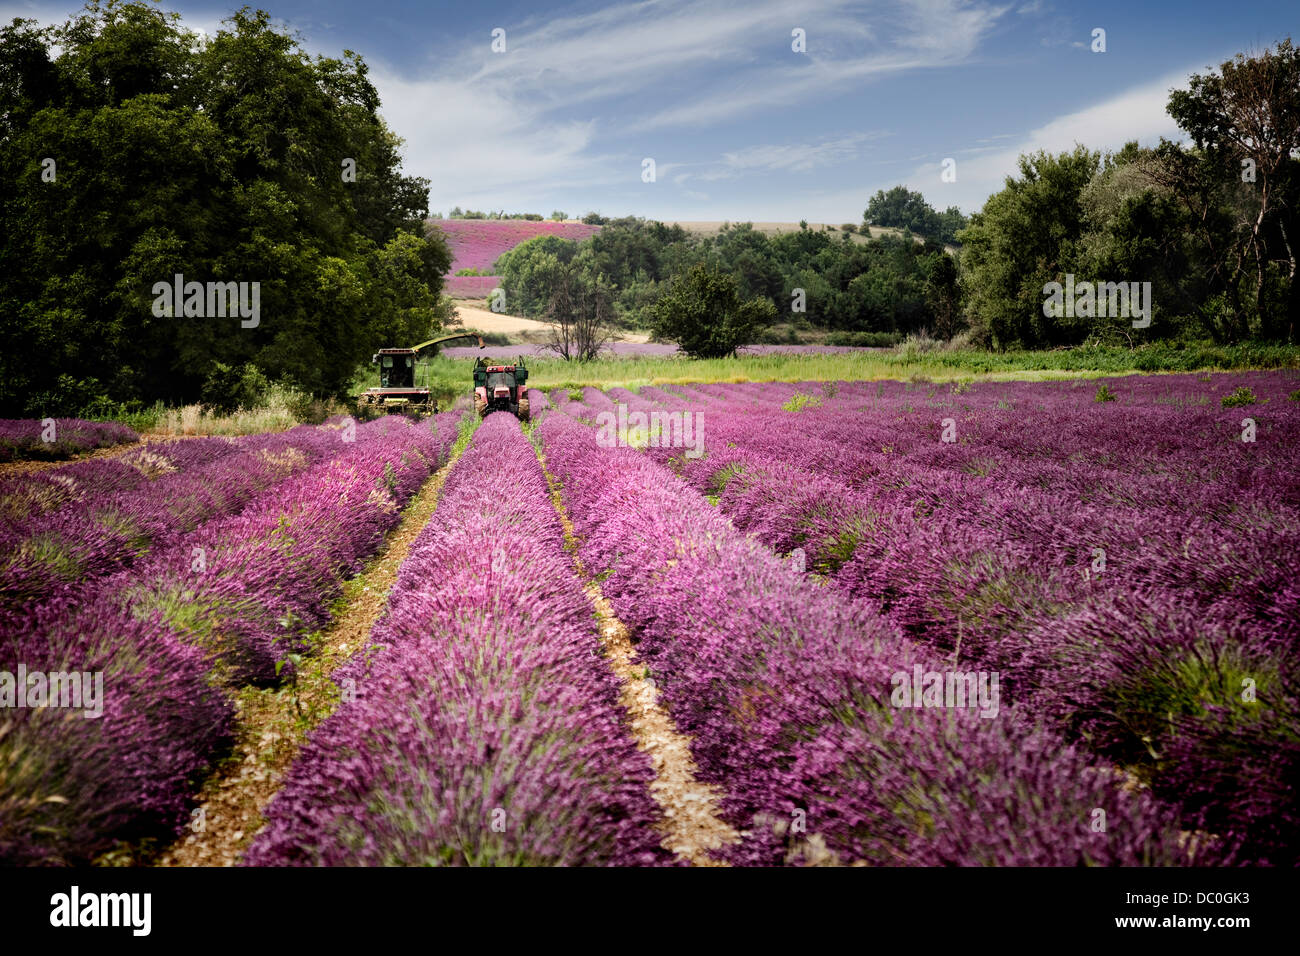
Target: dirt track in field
{"x": 473, "y": 316}
{"x": 691, "y": 825}
{"x": 272, "y": 725}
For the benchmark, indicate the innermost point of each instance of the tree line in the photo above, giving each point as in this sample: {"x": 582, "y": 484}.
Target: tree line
{"x": 140, "y": 155}
{"x": 1209, "y": 227}
{"x": 136, "y": 151}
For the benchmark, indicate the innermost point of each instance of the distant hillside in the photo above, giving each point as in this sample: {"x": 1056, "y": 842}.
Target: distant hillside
{"x": 476, "y": 244}
{"x": 712, "y": 227}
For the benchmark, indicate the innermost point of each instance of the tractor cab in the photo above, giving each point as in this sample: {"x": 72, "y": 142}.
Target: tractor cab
{"x": 396, "y": 367}
{"x": 501, "y": 388}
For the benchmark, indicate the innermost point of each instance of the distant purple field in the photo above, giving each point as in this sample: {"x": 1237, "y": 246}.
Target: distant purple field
{"x": 649, "y": 350}
{"x": 471, "y": 287}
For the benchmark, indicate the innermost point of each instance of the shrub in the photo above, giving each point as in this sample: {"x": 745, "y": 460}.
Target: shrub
{"x": 1242, "y": 395}
{"x": 229, "y": 388}
{"x": 870, "y": 340}
{"x": 703, "y": 313}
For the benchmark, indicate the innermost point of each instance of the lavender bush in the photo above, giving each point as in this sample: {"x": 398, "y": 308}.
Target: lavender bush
{"x": 785, "y": 690}
{"x": 167, "y": 631}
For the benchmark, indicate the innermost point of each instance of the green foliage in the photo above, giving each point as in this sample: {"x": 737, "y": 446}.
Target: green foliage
{"x": 719, "y": 480}
{"x": 799, "y": 401}
{"x": 228, "y": 389}
{"x": 219, "y": 158}
{"x": 530, "y": 271}
{"x": 902, "y": 208}
{"x": 703, "y": 312}
{"x": 1241, "y": 396}
{"x": 1208, "y": 225}
{"x": 1104, "y": 394}
{"x": 1021, "y": 240}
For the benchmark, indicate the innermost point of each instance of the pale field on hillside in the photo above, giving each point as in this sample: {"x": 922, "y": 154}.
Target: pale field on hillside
{"x": 473, "y": 315}
{"x": 707, "y": 227}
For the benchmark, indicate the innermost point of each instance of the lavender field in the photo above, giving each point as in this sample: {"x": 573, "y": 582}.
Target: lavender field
{"x": 874, "y": 623}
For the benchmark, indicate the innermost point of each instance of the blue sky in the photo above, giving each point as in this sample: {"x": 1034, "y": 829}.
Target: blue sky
{"x": 740, "y": 126}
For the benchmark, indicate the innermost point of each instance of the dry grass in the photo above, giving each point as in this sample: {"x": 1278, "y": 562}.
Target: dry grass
{"x": 196, "y": 420}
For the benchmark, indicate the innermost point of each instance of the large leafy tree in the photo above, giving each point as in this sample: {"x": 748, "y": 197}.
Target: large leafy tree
{"x": 704, "y": 313}
{"x": 142, "y": 150}
{"x": 1024, "y": 237}
{"x": 902, "y": 208}
{"x": 1245, "y": 123}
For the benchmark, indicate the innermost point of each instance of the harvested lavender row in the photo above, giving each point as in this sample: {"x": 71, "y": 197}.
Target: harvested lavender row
{"x": 86, "y": 539}
{"x": 485, "y": 730}
{"x": 224, "y": 603}
{"x": 26, "y": 497}
{"x": 245, "y": 587}
{"x": 786, "y": 690}
{"x": 58, "y": 437}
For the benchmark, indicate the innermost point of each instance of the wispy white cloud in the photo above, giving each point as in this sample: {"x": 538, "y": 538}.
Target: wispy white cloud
{"x": 786, "y": 157}
{"x": 708, "y": 64}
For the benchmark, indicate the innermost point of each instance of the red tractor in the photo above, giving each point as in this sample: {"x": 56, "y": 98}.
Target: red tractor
{"x": 501, "y": 388}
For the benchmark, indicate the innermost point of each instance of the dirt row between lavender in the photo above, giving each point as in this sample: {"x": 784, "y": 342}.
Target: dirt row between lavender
{"x": 273, "y": 724}
{"x": 691, "y": 825}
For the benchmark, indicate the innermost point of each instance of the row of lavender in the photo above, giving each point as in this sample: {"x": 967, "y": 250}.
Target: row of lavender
{"x": 143, "y": 656}
{"x": 56, "y": 438}
{"x": 90, "y": 518}
{"x": 480, "y": 727}
{"x": 1160, "y": 626}
{"x": 789, "y": 693}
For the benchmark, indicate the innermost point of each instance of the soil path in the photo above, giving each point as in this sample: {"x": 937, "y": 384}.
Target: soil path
{"x": 691, "y": 825}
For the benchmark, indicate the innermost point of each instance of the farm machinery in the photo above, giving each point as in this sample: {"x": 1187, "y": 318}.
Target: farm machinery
{"x": 397, "y": 392}
{"x": 501, "y": 388}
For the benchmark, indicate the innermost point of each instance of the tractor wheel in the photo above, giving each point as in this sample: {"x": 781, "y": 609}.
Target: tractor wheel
{"x": 523, "y": 410}
{"x": 480, "y": 406}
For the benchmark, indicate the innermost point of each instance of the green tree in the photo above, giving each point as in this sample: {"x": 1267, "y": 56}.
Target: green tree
{"x": 235, "y": 158}
{"x": 1245, "y": 123}
{"x": 703, "y": 312}
{"x": 530, "y": 271}
{"x": 1026, "y": 236}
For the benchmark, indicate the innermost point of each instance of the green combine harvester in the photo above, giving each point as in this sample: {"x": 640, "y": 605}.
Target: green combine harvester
{"x": 397, "y": 392}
